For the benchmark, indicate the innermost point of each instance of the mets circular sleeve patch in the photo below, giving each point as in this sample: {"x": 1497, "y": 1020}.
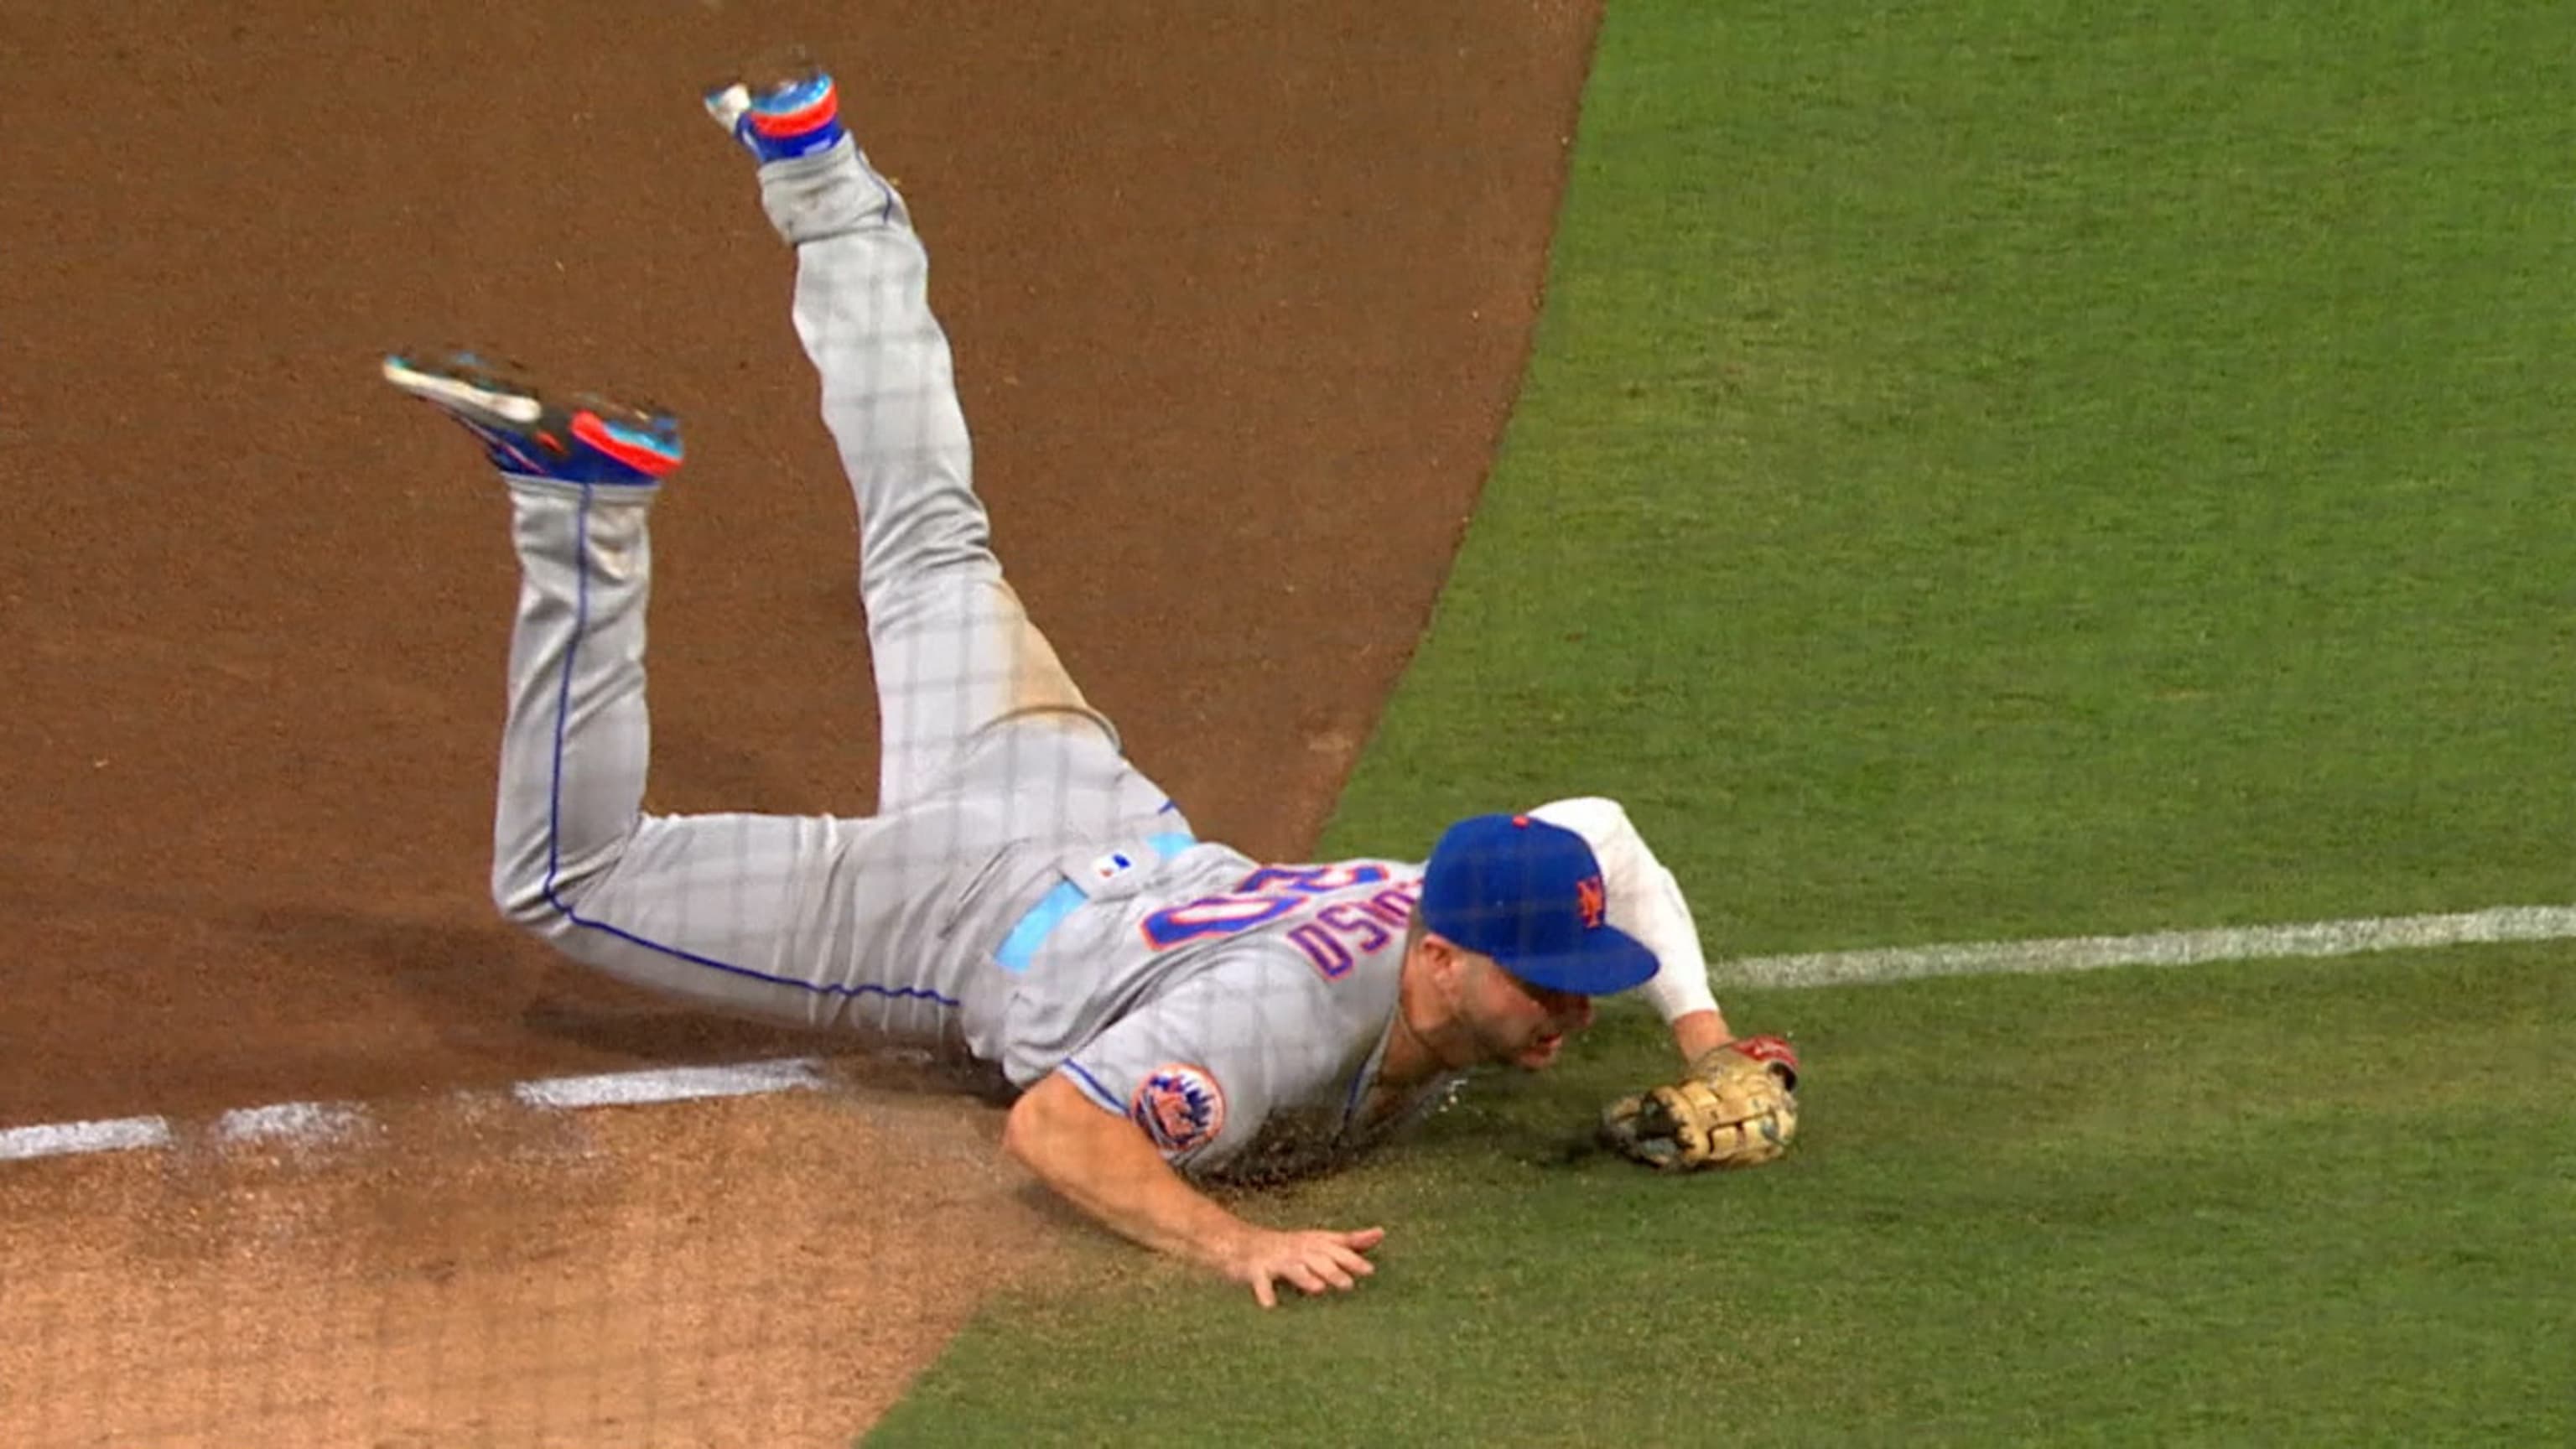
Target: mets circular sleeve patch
{"x": 1179, "y": 1106}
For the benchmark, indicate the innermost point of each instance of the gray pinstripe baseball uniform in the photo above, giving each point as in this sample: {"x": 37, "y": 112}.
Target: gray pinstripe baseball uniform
{"x": 1023, "y": 891}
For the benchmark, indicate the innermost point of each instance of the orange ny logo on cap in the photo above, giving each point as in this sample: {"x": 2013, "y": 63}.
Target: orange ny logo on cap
{"x": 1592, "y": 900}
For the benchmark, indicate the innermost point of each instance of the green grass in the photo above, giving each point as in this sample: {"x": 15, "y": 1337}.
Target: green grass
{"x": 2017, "y": 469}
{"x": 2311, "y": 1202}
{"x": 1989, "y": 470}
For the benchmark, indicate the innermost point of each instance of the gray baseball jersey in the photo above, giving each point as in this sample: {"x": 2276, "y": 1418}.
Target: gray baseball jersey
{"x": 1023, "y": 890}
{"x": 1237, "y": 1012}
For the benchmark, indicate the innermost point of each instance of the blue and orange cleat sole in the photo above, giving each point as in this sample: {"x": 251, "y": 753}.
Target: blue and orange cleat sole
{"x": 780, "y": 120}
{"x": 582, "y": 439}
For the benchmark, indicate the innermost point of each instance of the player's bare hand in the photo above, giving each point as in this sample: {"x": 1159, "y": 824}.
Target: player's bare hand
{"x": 1314, "y": 1261}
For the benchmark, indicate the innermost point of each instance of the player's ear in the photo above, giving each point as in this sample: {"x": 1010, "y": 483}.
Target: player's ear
{"x": 1445, "y": 962}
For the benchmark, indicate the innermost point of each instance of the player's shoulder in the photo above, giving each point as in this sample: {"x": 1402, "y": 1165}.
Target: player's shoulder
{"x": 1308, "y": 981}
{"x": 1281, "y": 958}
{"x": 1586, "y": 815}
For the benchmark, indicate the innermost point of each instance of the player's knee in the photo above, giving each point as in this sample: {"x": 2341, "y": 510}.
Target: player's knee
{"x": 522, "y": 899}
{"x": 539, "y": 891}
{"x": 532, "y": 896}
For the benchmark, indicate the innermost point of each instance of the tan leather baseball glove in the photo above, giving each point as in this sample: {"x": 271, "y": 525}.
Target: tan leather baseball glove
{"x": 1735, "y": 1106}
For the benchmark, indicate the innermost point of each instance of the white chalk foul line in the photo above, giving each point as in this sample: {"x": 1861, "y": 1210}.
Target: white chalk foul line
{"x": 302, "y": 1124}
{"x": 2157, "y": 948}
{"x": 318, "y": 1124}
{"x": 671, "y": 1084}
{"x": 120, "y": 1134}
{"x": 311, "y": 1123}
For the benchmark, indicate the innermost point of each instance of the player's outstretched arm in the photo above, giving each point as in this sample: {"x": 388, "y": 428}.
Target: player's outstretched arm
{"x": 1646, "y": 902}
{"x": 1104, "y": 1165}
{"x": 1696, "y": 1032}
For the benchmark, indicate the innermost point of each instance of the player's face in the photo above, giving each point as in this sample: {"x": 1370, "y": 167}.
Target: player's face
{"x": 1521, "y": 1024}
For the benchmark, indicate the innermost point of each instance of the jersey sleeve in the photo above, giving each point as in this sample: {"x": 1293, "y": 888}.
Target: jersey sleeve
{"x": 1201, "y": 1066}
{"x": 1645, "y": 901}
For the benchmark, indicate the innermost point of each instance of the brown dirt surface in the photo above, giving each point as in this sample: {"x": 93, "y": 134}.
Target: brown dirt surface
{"x": 607, "y": 1277}
{"x": 1240, "y": 298}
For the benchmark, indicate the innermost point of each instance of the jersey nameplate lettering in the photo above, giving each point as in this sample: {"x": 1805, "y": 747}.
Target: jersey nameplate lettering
{"x": 1339, "y": 931}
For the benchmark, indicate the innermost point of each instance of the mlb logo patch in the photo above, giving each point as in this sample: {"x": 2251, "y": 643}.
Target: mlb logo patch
{"x": 1179, "y": 1106}
{"x": 1113, "y": 865}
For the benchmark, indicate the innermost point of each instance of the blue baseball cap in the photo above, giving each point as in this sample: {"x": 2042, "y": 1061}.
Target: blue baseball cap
{"x": 1530, "y": 895}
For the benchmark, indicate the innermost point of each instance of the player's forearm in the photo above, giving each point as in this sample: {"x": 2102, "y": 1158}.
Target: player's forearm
{"x": 1104, "y": 1166}
{"x": 1696, "y": 1032}
{"x": 1646, "y": 902}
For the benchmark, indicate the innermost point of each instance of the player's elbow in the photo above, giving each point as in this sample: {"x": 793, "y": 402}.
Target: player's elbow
{"x": 1034, "y": 1131}
{"x": 1020, "y": 1131}
{"x": 1059, "y": 1134}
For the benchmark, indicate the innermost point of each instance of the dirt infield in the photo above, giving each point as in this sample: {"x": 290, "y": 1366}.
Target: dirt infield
{"x": 1239, "y": 299}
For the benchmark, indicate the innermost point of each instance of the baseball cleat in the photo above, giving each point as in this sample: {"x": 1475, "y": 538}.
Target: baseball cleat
{"x": 793, "y": 112}
{"x": 579, "y": 439}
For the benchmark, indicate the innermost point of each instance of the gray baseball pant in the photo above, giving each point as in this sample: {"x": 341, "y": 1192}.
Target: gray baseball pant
{"x": 992, "y": 762}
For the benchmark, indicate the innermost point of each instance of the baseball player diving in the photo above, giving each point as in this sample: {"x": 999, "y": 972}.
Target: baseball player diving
{"x": 1169, "y": 1011}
